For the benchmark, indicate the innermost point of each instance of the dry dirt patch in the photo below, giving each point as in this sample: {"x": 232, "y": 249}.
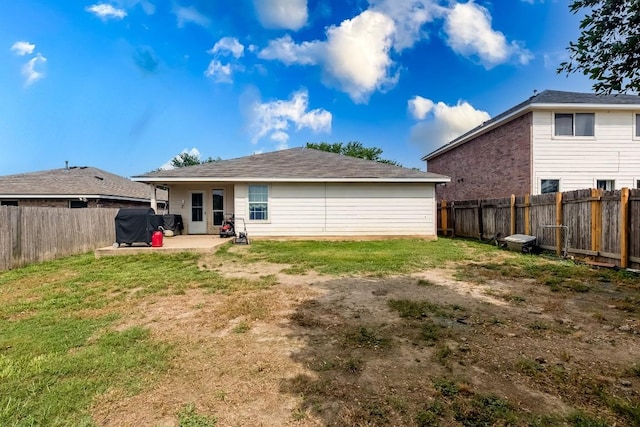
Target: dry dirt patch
{"x": 317, "y": 350}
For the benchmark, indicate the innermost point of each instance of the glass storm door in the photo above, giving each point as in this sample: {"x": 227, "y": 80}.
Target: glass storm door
{"x": 197, "y": 223}
{"x": 218, "y": 206}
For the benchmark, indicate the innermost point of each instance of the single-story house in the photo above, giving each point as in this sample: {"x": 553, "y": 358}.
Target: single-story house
{"x": 77, "y": 187}
{"x": 302, "y": 192}
{"x": 553, "y": 141}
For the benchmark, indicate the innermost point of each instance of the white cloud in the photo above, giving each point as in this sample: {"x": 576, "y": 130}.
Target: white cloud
{"x": 223, "y": 73}
{"x": 445, "y": 123}
{"x": 30, "y": 69}
{"x": 286, "y": 50}
{"x": 419, "y": 107}
{"x": 106, "y": 11}
{"x": 552, "y": 60}
{"x": 282, "y": 14}
{"x": 228, "y": 45}
{"x": 355, "y": 58}
{"x": 469, "y": 33}
{"x": 22, "y": 48}
{"x": 358, "y": 54}
{"x": 277, "y": 118}
{"x": 409, "y": 16}
{"x": 187, "y": 15}
{"x": 219, "y": 72}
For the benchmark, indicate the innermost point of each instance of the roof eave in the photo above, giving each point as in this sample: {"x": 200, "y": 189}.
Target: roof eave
{"x": 474, "y": 134}
{"x": 72, "y": 196}
{"x": 181, "y": 180}
{"x": 530, "y": 107}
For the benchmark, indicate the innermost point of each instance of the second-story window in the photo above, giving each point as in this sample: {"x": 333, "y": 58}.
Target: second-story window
{"x": 575, "y": 124}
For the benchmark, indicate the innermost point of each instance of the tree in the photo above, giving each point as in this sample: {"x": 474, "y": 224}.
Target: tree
{"x": 352, "y": 149}
{"x": 185, "y": 159}
{"x": 608, "y": 49}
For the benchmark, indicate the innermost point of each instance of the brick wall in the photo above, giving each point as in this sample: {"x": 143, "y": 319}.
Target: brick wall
{"x": 494, "y": 165}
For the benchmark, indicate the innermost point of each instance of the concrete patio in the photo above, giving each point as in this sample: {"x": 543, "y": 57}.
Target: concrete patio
{"x": 181, "y": 243}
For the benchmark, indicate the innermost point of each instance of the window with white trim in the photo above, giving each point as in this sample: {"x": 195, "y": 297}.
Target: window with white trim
{"x": 575, "y": 124}
{"x": 606, "y": 184}
{"x": 258, "y": 202}
{"x": 637, "y": 125}
{"x": 549, "y": 186}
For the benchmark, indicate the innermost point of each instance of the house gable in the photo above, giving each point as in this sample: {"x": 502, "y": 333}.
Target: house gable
{"x": 499, "y": 164}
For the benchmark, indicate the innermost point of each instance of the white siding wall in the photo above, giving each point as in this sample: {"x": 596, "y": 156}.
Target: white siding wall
{"x": 317, "y": 209}
{"x": 613, "y": 153}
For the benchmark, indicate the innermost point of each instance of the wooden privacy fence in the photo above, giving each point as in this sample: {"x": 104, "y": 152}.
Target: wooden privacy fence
{"x": 603, "y": 225}
{"x": 30, "y": 234}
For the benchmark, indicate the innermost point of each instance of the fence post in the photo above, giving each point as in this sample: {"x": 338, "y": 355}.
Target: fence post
{"x": 596, "y": 219}
{"x": 558, "y": 222}
{"x": 527, "y": 219}
{"x": 624, "y": 228}
{"x": 512, "y": 227}
{"x": 443, "y": 217}
{"x": 480, "y": 220}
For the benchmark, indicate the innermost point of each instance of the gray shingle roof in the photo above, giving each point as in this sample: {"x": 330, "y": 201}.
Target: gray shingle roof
{"x": 542, "y": 98}
{"x": 294, "y": 164}
{"x": 75, "y": 181}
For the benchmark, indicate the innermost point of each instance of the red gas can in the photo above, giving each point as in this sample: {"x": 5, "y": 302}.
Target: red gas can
{"x": 156, "y": 239}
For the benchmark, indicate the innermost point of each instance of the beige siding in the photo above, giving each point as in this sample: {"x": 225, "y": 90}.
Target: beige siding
{"x": 317, "y": 209}
{"x": 613, "y": 153}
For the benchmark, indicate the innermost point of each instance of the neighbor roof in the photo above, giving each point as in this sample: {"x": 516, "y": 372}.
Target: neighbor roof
{"x": 544, "y": 100}
{"x": 74, "y": 182}
{"x": 291, "y": 165}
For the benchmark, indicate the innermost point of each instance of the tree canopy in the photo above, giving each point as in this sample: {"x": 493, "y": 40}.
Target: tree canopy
{"x": 186, "y": 159}
{"x": 608, "y": 48}
{"x": 352, "y": 149}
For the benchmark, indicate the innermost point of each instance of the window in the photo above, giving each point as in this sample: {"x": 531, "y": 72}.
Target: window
{"x": 638, "y": 183}
{"x": 606, "y": 184}
{"x": 76, "y": 204}
{"x": 218, "y": 206}
{"x": 549, "y": 186}
{"x": 258, "y": 202}
{"x": 575, "y": 124}
{"x": 8, "y": 203}
{"x": 638, "y": 125}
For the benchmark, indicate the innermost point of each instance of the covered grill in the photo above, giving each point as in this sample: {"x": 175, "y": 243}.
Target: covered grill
{"x": 136, "y": 225}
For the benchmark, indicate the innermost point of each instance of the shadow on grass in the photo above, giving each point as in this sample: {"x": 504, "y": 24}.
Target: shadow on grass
{"x": 391, "y": 351}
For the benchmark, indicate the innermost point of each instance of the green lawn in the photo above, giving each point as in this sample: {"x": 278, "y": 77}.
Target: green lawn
{"x": 59, "y": 350}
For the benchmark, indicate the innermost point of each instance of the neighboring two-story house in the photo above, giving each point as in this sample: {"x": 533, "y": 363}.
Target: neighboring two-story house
{"x": 554, "y": 141}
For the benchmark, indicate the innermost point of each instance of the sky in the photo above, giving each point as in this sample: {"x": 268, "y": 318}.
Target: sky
{"x": 126, "y": 85}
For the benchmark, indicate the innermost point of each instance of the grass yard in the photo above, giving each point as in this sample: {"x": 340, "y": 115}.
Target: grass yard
{"x": 396, "y": 332}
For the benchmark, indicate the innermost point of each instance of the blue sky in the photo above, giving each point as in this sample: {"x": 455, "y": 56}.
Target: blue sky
{"x": 125, "y": 85}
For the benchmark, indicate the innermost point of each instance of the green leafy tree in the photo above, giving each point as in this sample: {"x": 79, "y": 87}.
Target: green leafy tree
{"x": 352, "y": 149}
{"x": 608, "y": 48}
{"x": 185, "y": 159}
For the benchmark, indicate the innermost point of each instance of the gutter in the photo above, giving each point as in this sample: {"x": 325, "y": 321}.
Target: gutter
{"x": 168, "y": 180}
{"x": 72, "y": 196}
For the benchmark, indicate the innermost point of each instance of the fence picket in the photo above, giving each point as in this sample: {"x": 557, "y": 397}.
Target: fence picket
{"x": 33, "y": 234}
{"x": 604, "y": 225}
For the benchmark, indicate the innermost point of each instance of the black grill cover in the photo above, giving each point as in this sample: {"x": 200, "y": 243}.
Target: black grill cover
{"x": 173, "y": 222}
{"x": 136, "y": 225}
